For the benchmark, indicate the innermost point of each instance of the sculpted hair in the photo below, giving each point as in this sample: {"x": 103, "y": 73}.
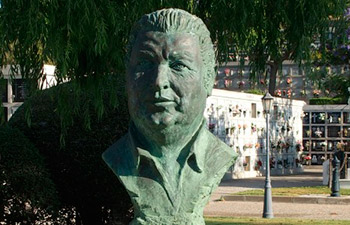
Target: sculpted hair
{"x": 177, "y": 20}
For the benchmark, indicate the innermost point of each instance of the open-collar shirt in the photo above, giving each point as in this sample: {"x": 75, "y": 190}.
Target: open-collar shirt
{"x": 166, "y": 196}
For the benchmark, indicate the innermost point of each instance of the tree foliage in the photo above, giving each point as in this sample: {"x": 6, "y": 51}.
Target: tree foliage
{"x": 86, "y": 39}
{"x": 85, "y": 186}
{"x": 28, "y": 195}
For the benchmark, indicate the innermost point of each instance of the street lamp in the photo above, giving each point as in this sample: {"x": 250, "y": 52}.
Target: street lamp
{"x": 267, "y": 104}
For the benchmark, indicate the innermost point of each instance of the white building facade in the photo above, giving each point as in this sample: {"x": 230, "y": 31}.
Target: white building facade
{"x": 13, "y": 88}
{"x": 238, "y": 119}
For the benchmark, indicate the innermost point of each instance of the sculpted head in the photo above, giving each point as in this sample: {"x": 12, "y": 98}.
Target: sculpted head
{"x": 170, "y": 72}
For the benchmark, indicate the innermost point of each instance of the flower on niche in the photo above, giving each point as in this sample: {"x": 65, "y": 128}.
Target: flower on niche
{"x": 307, "y": 144}
{"x": 253, "y": 127}
{"x": 316, "y": 92}
{"x": 307, "y": 157}
{"x": 340, "y": 145}
{"x": 278, "y": 92}
{"x": 322, "y": 116}
{"x": 227, "y": 71}
{"x": 211, "y": 126}
{"x": 240, "y": 83}
{"x": 228, "y": 83}
{"x": 289, "y": 80}
{"x": 248, "y": 146}
{"x": 299, "y": 147}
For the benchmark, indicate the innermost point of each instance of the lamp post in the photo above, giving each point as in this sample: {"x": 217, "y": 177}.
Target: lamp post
{"x": 267, "y": 104}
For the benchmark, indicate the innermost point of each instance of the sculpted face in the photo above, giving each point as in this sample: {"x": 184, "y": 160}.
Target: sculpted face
{"x": 165, "y": 82}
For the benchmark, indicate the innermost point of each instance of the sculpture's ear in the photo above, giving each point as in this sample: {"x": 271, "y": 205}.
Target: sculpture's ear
{"x": 209, "y": 80}
{"x": 209, "y": 87}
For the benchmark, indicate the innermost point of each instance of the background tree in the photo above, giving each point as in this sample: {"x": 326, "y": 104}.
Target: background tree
{"x": 86, "y": 39}
{"x": 270, "y": 32}
{"x": 87, "y": 190}
{"x": 331, "y": 60}
{"x": 28, "y": 195}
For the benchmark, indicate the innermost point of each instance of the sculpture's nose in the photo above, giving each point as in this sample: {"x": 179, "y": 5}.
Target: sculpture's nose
{"x": 162, "y": 78}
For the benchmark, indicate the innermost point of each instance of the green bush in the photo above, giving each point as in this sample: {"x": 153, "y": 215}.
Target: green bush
{"x": 327, "y": 101}
{"x": 28, "y": 195}
{"x": 255, "y": 91}
{"x": 83, "y": 180}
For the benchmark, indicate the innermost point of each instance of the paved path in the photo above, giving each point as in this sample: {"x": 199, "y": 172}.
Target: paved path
{"x": 311, "y": 177}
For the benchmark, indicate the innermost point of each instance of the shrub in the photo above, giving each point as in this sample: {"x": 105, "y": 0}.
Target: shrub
{"x": 83, "y": 180}
{"x": 28, "y": 195}
{"x": 327, "y": 101}
{"x": 255, "y": 91}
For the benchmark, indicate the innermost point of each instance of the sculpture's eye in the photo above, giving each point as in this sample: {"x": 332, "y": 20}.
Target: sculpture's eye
{"x": 178, "y": 66}
{"x": 144, "y": 65}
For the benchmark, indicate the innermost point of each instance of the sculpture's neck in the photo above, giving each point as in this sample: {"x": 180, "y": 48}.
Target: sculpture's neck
{"x": 167, "y": 142}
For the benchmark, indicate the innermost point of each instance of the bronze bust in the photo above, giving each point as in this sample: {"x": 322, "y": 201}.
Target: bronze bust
{"x": 168, "y": 161}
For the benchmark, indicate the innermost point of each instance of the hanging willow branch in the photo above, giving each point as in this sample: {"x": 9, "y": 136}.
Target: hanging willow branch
{"x": 86, "y": 39}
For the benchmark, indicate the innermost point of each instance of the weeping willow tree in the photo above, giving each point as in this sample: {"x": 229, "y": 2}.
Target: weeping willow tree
{"x": 270, "y": 32}
{"x": 86, "y": 39}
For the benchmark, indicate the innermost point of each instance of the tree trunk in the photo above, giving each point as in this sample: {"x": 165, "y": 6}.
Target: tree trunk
{"x": 273, "y": 76}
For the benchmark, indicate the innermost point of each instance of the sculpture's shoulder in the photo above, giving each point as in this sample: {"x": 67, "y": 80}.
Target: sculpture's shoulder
{"x": 219, "y": 155}
{"x": 219, "y": 147}
{"x": 119, "y": 155}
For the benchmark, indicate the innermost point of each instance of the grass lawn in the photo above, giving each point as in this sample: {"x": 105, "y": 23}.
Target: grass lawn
{"x": 295, "y": 191}
{"x": 279, "y": 221}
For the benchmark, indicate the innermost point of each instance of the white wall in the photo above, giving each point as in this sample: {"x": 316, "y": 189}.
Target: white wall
{"x": 49, "y": 81}
{"x": 229, "y": 116}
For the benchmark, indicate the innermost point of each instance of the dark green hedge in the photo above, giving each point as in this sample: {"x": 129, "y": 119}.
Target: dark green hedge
{"x": 327, "y": 101}
{"x": 82, "y": 179}
{"x": 255, "y": 91}
{"x": 27, "y": 192}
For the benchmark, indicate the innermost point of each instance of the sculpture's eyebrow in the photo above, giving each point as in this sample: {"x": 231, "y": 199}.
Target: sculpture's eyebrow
{"x": 149, "y": 42}
{"x": 149, "y": 48}
{"x": 147, "y": 52}
{"x": 186, "y": 55}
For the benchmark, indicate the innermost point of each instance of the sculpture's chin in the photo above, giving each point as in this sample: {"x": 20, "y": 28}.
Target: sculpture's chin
{"x": 163, "y": 120}
{"x": 168, "y": 129}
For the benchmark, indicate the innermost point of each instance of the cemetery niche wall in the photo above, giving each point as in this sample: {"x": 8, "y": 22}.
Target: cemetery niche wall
{"x": 326, "y": 130}
{"x": 238, "y": 119}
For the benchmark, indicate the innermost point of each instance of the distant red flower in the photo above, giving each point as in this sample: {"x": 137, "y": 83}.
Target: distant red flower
{"x": 278, "y": 92}
{"x": 227, "y": 71}
{"x": 259, "y": 163}
{"x": 241, "y": 83}
{"x": 307, "y": 157}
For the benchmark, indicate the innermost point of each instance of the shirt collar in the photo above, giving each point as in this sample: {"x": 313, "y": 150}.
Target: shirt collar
{"x": 197, "y": 145}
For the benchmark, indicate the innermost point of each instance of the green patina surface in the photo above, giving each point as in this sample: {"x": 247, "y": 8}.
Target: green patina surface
{"x": 169, "y": 162}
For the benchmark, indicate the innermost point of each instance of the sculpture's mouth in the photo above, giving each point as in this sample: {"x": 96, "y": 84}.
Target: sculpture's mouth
{"x": 163, "y": 101}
